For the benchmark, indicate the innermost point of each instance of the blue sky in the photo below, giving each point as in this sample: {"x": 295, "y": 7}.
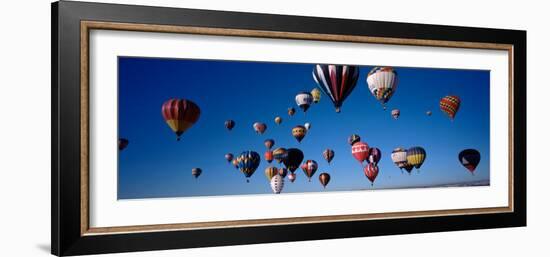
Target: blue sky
{"x": 156, "y": 165}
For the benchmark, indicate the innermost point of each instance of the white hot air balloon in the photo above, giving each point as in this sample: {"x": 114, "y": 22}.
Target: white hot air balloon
{"x": 307, "y": 125}
{"x": 304, "y": 100}
{"x": 399, "y": 157}
{"x": 382, "y": 82}
{"x": 277, "y": 184}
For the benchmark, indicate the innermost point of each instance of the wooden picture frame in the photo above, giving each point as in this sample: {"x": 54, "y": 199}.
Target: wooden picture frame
{"x": 71, "y": 25}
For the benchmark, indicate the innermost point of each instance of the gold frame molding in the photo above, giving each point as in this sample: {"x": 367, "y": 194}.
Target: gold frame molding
{"x": 87, "y": 26}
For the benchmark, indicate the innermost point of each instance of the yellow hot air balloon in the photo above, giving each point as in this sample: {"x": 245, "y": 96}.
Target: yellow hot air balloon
{"x": 416, "y": 156}
{"x": 316, "y": 93}
{"x": 299, "y": 132}
{"x": 270, "y": 172}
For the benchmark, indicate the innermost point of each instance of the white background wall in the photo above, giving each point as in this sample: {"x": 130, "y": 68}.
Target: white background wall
{"x": 25, "y": 127}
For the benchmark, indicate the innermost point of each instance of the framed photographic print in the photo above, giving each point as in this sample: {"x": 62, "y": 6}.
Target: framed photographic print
{"x": 178, "y": 128}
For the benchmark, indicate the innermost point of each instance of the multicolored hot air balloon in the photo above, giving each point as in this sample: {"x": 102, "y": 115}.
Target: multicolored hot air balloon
{"x": 374, "y": 155}
{"x": 291, "y": 111}
{"x": 328, "y": 155}
{"x": 304, "y": 100}
{"x": 248, "y": 163}
{"x": 299, "y": 132}
{"x": 268, "y": 156}
{"x": 416, "y": 156}
{"x": 395, "y": 113}
{"x": 324, "y": 178}
{"x": 259, "y": 127}
{"x": 196, "y": 172}
{"x": 450, "y": 105}
{"x": 309, "y": 167}
{"x": 354, "y": 138}
{"x": 269, "y": 143}
{"x": 307, "y": 125}
{"x": 270, "y": 172}
{"x": 382, "y": 82}
{"x": 280, "y": 154}
{"x": 371, "y": 171}
{"x": 180, "y": 115}
{"x": 336, "y": 81}
{"x": 360, "y": 151}
{"x": 278, "y": 120}
{"x": 399, "y": 157}
{"x": 229, "y": 157}
{"x": 316, "y": 93}
{"x": 294, "y": 159}
{"x": 292, "y": 177}
{"x": 277, "y": 183}
{"x": 122, "y": 143}
{"x": 282, "y": 172}
{"x": 469, "y": 158}
{"x": 229, "y": 124}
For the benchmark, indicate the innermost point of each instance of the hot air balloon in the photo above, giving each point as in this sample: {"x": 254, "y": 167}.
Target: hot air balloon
{"x": 360, "y": 151}
{"x": 324, "y": 178}
{"x": 336, "y": 81}
{"x": 291, "y": 111}
{"x": 395, "y": 113}
{"x": 374, "y": 155}
{"x": 307, "y": 125}
{"x": 282, "y": 172}
{"x": 382, "y": 82}
{"x": 277, "y": 183}
{"x": 268, "y": 156}
{"x": 229, "y": 157}
{"x": 316, "y": 93}
{"x": 294, "y": 159}
{"x": 469, "y": 158}
{"x": 408, "y": 167}
{"x": 269, "y": 143}
{"x": 280, "y": 154}
{"x": 229, "y": 124}
{"x": 399, "y": 157}
{"x": 292, "y": 177}
{"x": 122, "y": 143}
{"x": 450, "y": 105}
{"x": 429, "y": 113}
{"x": 299, "y": 132}
{"x": 278, "y": 120}
{"x": 235, "y": 163}
{"x": 259, "y": 127}
{"x": 328, "y": 154}
{"x": 248, "y": 163}
{"x": 416, "y": 156}
{"x": 309, "y": 167}
{"x": 304, "y": 100}
{"x": 180, "y": 115}
{"x": 354, "y": 138}
{"x": 196, "y": 172}
{"x": 270, "y": 172}
{"x": 371, "y": 171}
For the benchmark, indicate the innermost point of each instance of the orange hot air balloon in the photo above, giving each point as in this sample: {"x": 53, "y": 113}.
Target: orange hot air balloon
{"x": 180, "y": 115}
{"x": 268, "y": 156}
{"x": 324, "y": 178}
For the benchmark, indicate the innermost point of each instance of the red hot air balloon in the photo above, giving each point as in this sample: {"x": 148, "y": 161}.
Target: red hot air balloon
{"x": 292, "y": 177}
{"x": 229, "y": 157}
{"x": 259, "y": 127}
{"x": 122, "y": 143}
{"x": 324, "y": 178}
{"x": 309, "y": 167}
{"x": 268, "y": 156}
{"x": 374, "y": 155}
{"x": 450, "y": 105}
{"x": 371, "y": 171}
{"x": 360, "y": 151}
{"x": 180, "y": 115}
{"x": 229, "y": 124}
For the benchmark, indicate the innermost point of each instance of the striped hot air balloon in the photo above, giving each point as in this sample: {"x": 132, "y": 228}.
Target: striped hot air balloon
{"x": 371, "y": 171}
{"x": 268, "y": 156}
{"x": 450, "y": 105}
{"x": 280, "y": 154}
{"x": 248, "y": 163}
{"x": 408, "y": 167}
{"x": 270, "y": 172}
{"x": 395, "y": 113}
{"x": 328, "y": 155}
{"x": 324, "y": 178}
{"x": 196, "y": 172}
{"x": 299, "y": 132}
{"x": 399, "y": 157}
{"x": 180, "y": 115}
{"x": 316, "y": 93}
{"x": 304, "y": 100}
{"x": 360, "y": 151}
{"x": 416, "y": 156}
{"x": 469, "y": 158}
{"x": 336, "y": 81}
{"x": 309, "y": 167}
{"x": 382, "y": 82}
{"x": 277, "y": 183}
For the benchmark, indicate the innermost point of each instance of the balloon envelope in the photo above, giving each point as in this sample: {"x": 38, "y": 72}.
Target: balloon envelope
{"x": 309, "y": 167}
{"x": 360, "y": 151}
{"x": 180, "y": 115}
{"x": 304, "y": 100}
{"x": 324, "y": 178}
{"x": 371, "y": 171}
{"x": 354, "y": 138}
{"x": 469, "y": 158}
{"x": 259, "y": 127}
{"x": 299, "y": 132}
{"x": 277, "y": 183}
{"x": 248, "y": 162}
{"x": 122, "y": 143}
{"x": 229, "y": 124}
{"x": 196, "y": 172}
{"x": 294, "y": 159}
{"x": 416, "y": 156}
{"x": 316, "y": 93}
{"x": 328, "y": 155}
{"x": 336, "y": 81}
{"x": 450, "y": 105}
{"x": 382, "y": 82}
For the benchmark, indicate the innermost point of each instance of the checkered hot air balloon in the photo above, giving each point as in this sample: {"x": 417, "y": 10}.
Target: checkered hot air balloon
{"x": 450, "y": 105}
{"x": 180, "y": 115}
{"x": 382, "y": 82}
{"x": 336, "y": 81}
